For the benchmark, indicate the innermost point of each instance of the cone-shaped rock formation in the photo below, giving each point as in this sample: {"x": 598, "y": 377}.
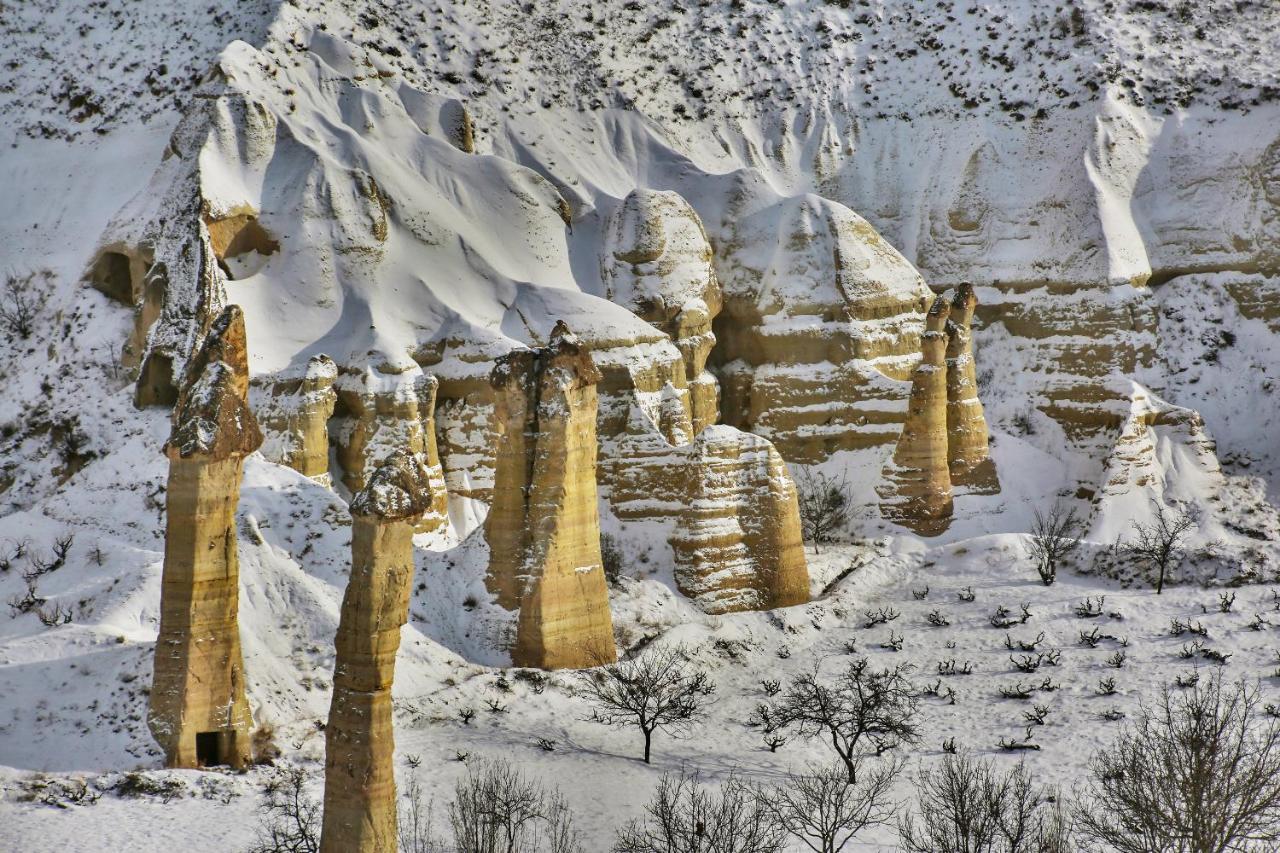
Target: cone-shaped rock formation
{"x": 359, "y": 790}
{"x": 544, "y": 529}
{"x": 198, "y": 711}
{"x": 917, "y": 488}
{"x": 968, "y": 455}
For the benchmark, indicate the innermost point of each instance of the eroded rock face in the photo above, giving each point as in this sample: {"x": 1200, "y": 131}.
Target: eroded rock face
{"x": 198, "y": 712}
{"x": 968, "y": 452}
{"x": 917, "y": 481}
{"x": 657, "y": 261}
{"x": 378, "y": 413}
{"x": 821, "y": 322}
{"x": 730, "y": 509}
{"x": 359, "y": 789}
{"x": 544, "y": 529}
{"x": 295, "y": 418}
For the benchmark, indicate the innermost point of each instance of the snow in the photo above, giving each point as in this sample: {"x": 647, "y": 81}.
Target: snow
{"x": 1169, "y": 178}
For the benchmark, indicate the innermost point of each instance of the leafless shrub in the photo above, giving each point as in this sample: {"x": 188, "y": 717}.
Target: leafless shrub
{"x": 948, "y": 667}
{"x": 611, "y": 557}
{"x": 1157, "y": 543}
{"x": 1054, "y": 537}
{"x": 883, "y": 616}
{"x": 416, "y": 820}
{"x": 1197, "y": 771}
{"x": 54, "y": 616}
{"x": 861, "y": 706}
{"x": 657, "y": 690}
{"x": 1090, "y": 608}
{"x": 825, "y": 811}
{"x": 290, "y": 816}
{"x": 936, "y": 619}
{"x": 966, "y": 805}
{"x": 685, "y": 817}
{"x": 26, "y": 603}
{"x": 19, "y": 304}
{"x": 824, "y": 505}
{"x": 496, "y": 809}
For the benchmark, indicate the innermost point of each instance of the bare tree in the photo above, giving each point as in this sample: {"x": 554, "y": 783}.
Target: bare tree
{"x": 415, "y": 819}
{"x": 18, "y": 306}
{"x": 685, "y": 817}
{"x": 658, "y": 690}
{"x": 1157, "y": 543}
{"x": 497, "y": 809}
{"x": 1197, "y": 773}
{"x": 1054, "y": 537}
{"x": 967, "y": 806}
{"x": 861, "y": 706}
{"x": 824, "y": 810}
{"x": 824, "y": 505}
{"x": 290, "y": 816}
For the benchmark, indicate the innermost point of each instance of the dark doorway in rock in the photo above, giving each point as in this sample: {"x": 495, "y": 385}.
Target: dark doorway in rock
{"x": 209, "y": 749}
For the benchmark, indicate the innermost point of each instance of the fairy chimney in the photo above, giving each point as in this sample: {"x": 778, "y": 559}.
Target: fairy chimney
{"x": 359, "y": 787}
{"x": 917, "y": 488}
{"x": 198, "y": 712}
{"x": 968, "y": 456}
{"x": 544, "y": 528}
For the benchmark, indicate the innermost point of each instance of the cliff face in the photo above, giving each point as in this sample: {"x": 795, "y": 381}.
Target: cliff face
{"x": 544, "y": 528}
{"x": 198, "y": 712}
{"x": 295, "y": 414}
{"x": 359, "y": 789}
{"x": 822, "y": 321}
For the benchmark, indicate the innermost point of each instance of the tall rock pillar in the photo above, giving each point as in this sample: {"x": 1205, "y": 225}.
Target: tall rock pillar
{"x": 968, "y": 455}
{"x": 359, "y": 780}
{"x": 917, "y": 488}
{"x": 198, "y": 711}
{"x": 544, "y": 527}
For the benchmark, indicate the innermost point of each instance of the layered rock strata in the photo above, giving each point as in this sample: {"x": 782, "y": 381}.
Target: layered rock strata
{"x": 295, "y": 414}
{"x": 730, "y": 510}
{"x": 359, "y": 789}
{"x": 198, "y": 712}
{"x": 543, "y": 528}
{"x": 916, "y": 491}
{"x": 968, "y": 452}
{"x": 658, "y": 262}
{"x": 821, "y": 323}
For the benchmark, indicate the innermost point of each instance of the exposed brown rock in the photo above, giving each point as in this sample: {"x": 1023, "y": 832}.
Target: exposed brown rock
{"x": 359, "y": 789}
{"x": 378, "y": 413}
{"x": 731, "y": 511}
{"x": 916, "y": 491}
{"x": 295, "y": 418}
{"x": 543, "y": 529}
{"x": 198, "y": 712}
{"x": 658, "y": 262}
{"x": 968, "y": 454}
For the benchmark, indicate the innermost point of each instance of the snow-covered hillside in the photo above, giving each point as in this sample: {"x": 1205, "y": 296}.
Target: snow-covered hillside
{"x": 415, "y": 189}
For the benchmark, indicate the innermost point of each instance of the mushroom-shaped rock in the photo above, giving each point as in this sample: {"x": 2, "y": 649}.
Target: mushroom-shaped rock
{"x": 198, "y": 711}
{"x": 359, "y": 790}
{"x": 968, "y": 454}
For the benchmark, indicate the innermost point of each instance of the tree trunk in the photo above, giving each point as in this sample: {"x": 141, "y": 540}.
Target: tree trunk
{"x": 648, "y": 738}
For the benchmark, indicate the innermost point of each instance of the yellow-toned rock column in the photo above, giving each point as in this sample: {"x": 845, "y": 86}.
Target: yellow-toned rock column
{"x": 198, "y": 712}
{"x": 917, "y": 488}
{"x": 359, "y": 784}
{"x": 564, "y": 619}
{"x": 968, "y": 454}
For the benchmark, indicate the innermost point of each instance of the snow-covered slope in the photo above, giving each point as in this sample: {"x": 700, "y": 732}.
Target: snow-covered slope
{"x": 435, "y": 183}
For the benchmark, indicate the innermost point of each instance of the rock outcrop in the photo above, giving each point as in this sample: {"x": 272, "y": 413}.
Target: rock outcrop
{"x": 295, "y": 413}
{"x": 821, "y": 323}
{"x": 657, "y": 262}
{"x": 916, "y": 491}
{"x": 378, "y": 413}
{"x": 359, "y": 788}
{"x": 968, "y": 453}
{"x": 543, "y": 529}
{"x": 728, "y": 507}
{"x": 198, "y": 712}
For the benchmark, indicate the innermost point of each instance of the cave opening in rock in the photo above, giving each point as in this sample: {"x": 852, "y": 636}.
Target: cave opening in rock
{"x": 210, "y": 749}
{"x": 112, "y": 276}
